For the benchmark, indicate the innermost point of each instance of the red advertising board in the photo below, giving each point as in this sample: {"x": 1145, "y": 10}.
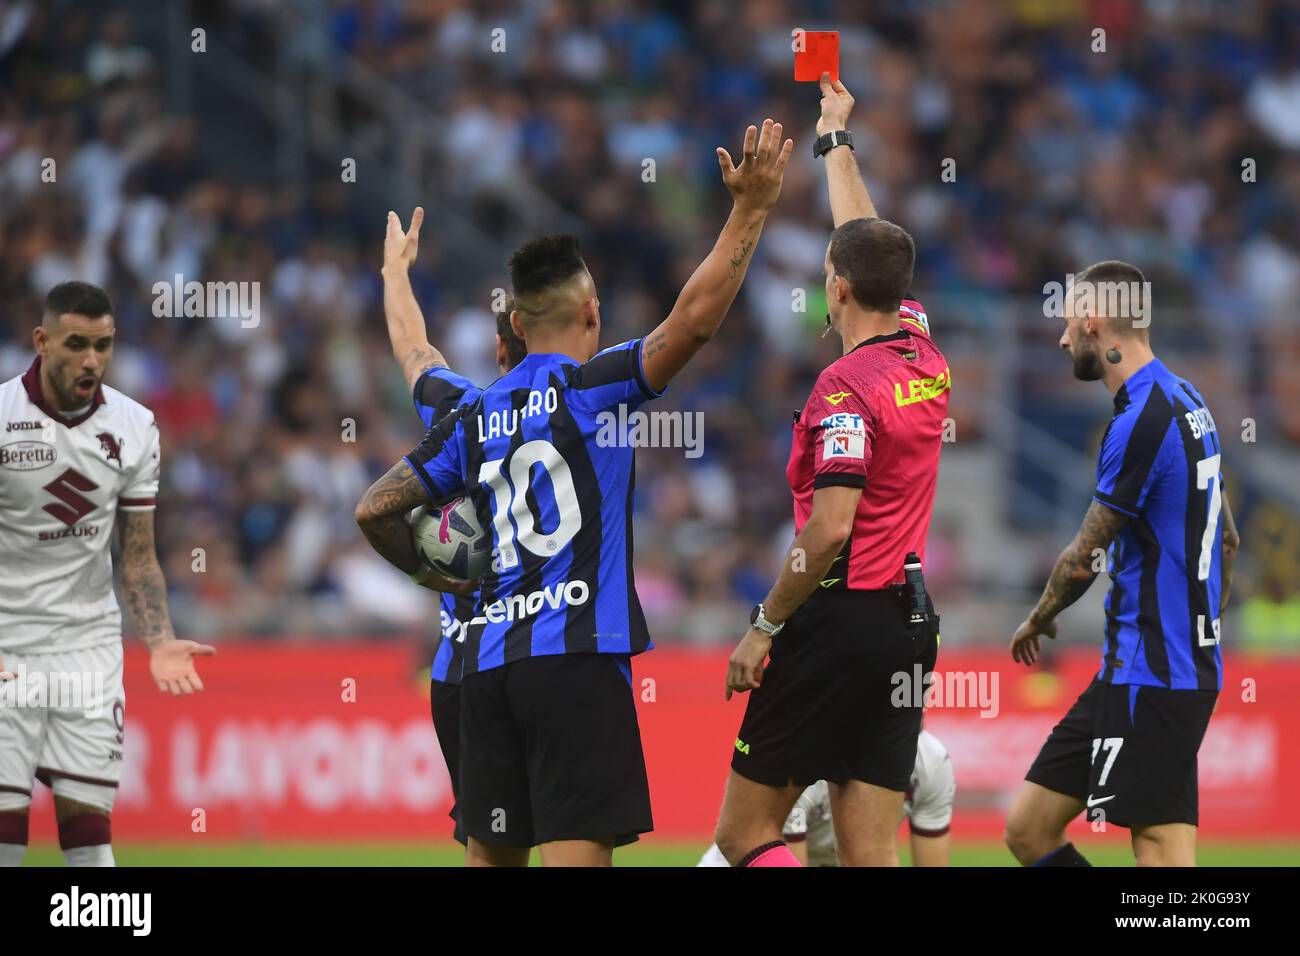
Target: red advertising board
{"x": 308, "y": 741}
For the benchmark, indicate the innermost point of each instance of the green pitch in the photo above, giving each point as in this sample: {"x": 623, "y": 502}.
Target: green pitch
{"x": 649, "y": 854}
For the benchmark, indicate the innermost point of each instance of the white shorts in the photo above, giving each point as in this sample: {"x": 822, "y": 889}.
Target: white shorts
{"x": 63, "y": 716}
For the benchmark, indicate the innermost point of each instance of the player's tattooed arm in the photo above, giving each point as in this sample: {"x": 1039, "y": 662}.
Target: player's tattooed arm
{"x": 143, "y": 584}
{"x": 381, "y": 515}
{"x": 406, "y": 328}
{"x": 1073, "y": 574}
{"x": 706, "y": 298}
{"x": 1078, "y": 564}
{"x": 1231, "y": 545}
{"x": 171, "y": 661}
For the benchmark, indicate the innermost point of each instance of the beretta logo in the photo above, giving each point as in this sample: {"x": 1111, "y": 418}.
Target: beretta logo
{"x": 27, "y": 455}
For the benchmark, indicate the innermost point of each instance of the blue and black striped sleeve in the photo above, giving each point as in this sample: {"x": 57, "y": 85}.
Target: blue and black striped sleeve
{"x": 438, "y": 391}
{"x": 612, "y": 377}
{"x": 1130, "y": 458}
{"x": 438, "y": 461}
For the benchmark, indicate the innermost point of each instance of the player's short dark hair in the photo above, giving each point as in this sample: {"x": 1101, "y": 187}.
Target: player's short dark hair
{"x": 1123, "y": 273}
{"x": 876, "y": 258}
{"x": 515, "y": 347}
{"x": 79, "y": 298}
{"x": 542, "y": 263}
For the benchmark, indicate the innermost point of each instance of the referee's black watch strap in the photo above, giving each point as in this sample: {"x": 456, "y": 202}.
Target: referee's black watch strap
{"x": 828, "y": 141}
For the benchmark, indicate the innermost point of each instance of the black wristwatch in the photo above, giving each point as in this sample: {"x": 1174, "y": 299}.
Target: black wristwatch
{"x": 828, "y": 141}
{"x": 759, "y": 622}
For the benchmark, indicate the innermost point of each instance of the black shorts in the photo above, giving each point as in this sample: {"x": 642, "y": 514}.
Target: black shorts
{"x": 444, "y": 704}
{"x": 551, "y": 750}
{"x": 830, "y": 706}
{"x": 1128, "y": 751}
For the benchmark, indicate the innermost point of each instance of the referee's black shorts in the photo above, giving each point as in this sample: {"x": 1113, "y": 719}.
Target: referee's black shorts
{"x": 550, "y": 749}
{"x": 1128, "y": 752}
{"x": 830, "y": 706}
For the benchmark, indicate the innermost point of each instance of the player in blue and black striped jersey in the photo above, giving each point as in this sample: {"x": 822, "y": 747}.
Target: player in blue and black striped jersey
{"x": 550, "y": 748}
{"x": 436, "y": 392}
{"x": 1126, "y": 751}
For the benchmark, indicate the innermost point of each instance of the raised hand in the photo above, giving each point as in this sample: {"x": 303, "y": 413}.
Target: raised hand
{"x": 837, "y": 104}
{"x": 400, "y": 248}
{"x": 755, "y": 184}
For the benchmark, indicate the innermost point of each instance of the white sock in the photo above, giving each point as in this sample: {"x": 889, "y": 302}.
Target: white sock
{"x": 11, "y": 854}
{"x": 101, "y": 855}
{"x": 713, "y": 857}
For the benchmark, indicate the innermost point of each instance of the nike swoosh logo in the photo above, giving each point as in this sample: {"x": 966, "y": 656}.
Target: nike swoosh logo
{"x": 1093, "y": 801}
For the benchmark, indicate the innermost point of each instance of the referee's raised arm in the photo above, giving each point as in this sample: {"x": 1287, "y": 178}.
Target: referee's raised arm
{"x": 848, "y": 191}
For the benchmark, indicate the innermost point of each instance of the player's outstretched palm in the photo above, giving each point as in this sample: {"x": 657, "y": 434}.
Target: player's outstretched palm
{"x": 401, "y": 247}
{"x": 172, "y": 666}
{"x": 756, "y": 182}
{"x": 1025, "y": 642}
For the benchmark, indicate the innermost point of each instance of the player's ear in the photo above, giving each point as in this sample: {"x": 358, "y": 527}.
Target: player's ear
{"x": 514, "y": 324}
{"x": 501, "y": 353}
{"x": 40, "y": 338}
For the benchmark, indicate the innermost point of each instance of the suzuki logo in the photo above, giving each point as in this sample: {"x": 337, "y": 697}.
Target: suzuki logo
{"x": 74, "y": 506}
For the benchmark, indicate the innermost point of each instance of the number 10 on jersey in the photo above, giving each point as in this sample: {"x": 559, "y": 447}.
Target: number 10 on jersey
{"x": 510, "y": 480}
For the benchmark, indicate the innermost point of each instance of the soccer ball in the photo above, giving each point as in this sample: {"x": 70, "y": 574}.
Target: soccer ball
{"x": 449, "y": 538}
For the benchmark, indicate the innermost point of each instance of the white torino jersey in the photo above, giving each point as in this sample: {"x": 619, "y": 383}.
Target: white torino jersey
{"x": 62, "y": 481}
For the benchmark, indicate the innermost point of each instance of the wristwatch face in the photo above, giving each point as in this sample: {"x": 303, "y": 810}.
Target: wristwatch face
{"x": 753, "y": 615}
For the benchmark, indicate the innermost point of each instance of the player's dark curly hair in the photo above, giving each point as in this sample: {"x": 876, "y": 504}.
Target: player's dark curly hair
{"x": 875, "y": 257}
{"x": 547, "y": 261}
{"x": 79, "y": 298}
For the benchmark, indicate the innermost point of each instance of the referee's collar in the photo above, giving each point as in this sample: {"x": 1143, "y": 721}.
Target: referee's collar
{"x": 877, "y": 339}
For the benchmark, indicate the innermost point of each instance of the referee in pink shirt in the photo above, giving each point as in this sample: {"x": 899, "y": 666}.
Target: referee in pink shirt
{"x": 842, "y": 618}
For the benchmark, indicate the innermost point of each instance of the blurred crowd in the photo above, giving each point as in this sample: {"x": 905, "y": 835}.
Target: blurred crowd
{"x": 1018, "y": 141}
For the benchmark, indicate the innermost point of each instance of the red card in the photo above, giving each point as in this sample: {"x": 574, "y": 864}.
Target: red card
{"x": 821, "y": 54}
